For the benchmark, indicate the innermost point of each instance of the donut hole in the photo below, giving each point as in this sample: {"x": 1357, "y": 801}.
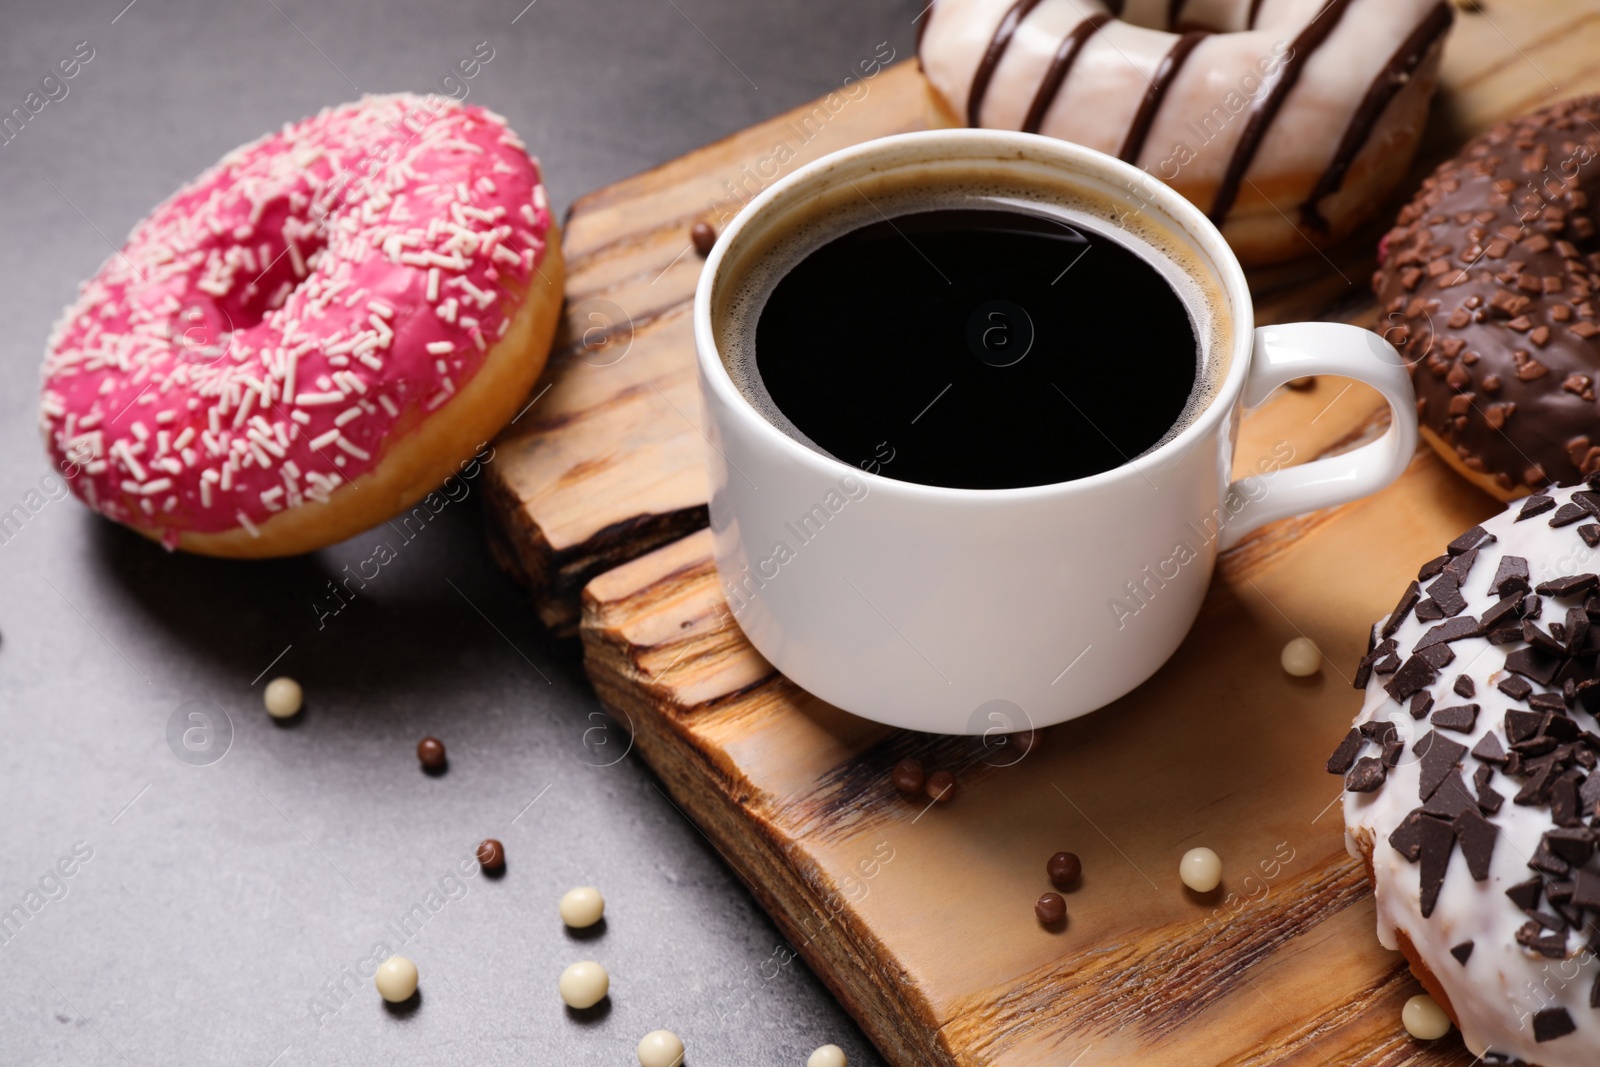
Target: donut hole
{"x": 244, "y": 274}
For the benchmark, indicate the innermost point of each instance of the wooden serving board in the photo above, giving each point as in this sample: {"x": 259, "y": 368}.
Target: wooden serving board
{"x": 920, "y": 919}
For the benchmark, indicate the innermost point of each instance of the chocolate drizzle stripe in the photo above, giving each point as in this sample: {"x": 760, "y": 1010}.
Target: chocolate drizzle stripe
{"x": 1060, "y": 65}
{"x": 1311, "y": 38}
{"x": 1150, "y": 106}
{"x": 992, "y": 56}
{"x": 1396, "y": 75}
{"x": 1255, "y": 10}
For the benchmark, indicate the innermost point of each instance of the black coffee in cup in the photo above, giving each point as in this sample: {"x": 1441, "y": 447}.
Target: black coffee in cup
{"x": 980, "y": 337}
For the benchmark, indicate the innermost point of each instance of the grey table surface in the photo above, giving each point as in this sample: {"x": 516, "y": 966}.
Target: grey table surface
{"x": 217, "y": 913}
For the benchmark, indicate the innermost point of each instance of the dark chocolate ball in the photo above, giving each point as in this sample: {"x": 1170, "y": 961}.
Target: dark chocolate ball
{"x": 908, "y": 776}
{"x": 1064, "y": 869}
{"x": 430, "y": 750}
{"x": 1050, "y": 909}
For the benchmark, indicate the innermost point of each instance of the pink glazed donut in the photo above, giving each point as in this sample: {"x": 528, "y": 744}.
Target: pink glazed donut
{"x": 312, "y": 335}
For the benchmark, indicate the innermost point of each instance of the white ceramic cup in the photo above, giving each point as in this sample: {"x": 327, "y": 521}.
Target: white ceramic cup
{"x": 973, "y": 610}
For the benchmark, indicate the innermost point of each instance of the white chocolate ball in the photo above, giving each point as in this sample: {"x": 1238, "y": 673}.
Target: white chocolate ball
{"x": 582, "y": 906}
{"x": 827, "y": 1056}
{"x": 396, "y": 979}
{"x": 1424, "y": 1019}
{"x": 283, "y": 697}
{"x": 585, "y": 984}
{"x": 660, "y": 1048}
{"x": 1301, "y": 657}
{"x": 1201, "y": 870}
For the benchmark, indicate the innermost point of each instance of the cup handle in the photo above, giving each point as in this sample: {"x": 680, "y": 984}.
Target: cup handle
{"x": 1293, "y": 351}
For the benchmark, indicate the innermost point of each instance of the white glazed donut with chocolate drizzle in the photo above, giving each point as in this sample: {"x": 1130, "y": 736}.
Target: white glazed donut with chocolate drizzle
{"x": 1472, "y": 790}
{"x": 1287, "y": 121}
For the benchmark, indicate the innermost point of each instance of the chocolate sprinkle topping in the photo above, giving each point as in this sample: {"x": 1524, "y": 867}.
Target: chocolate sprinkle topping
{"x": 1457, "y": 629}
{"x": 1511, "y": 577}
{"x": 1536, "y": 505}
{"x": 1344, "y": 757}
{"x": 1571, "y": 585}
{"x": 1366, "y": 776}
{"x": 1464, "y": 686}
{"x": 1566, "y": 515}
{"x": 1402, "y": 609}
{"x": 1552, "y": 1023}
{"x": 1477, "y": 837}
{"x": 1413, "y": 675}
{"x": 1461, "y": 719}
{"x": 1432, "y": 567}
{"x": 1473, "y": 538}
{"x": 1462, "y": 952}
{"x": 1440, "y": 756}
{"x": 1515, "y": 688}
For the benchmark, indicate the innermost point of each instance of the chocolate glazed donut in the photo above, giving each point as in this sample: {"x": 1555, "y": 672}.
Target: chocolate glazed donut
{"x": 1487, "y": 282}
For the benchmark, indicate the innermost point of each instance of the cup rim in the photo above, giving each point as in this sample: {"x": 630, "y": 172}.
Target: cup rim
{"x": 1173, "y": 208}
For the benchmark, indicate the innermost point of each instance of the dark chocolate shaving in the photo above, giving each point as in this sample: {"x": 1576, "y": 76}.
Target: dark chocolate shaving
{"x": 1566, "y": 515}
{"x": 1457, "y": 629}
{"x": 1440, "y": 756}
{"x": 1515, "y": 688}
{"x": 1462, "y": 952}
{"x": 1535, "y": 505}
{"x": 1431, "y": 568}
{"x": 1366, "y": 776}
{"x": 1477, "y": 837}
{"x": 1344, "y": 757}
{"x": 1461, "y": 718}
{"x": 1415, "y": 674}
{"x": 1511, "y": 576}
{"x": 1421, "y": 704}
{"x": 1552, "y": 1023}
{"x": 1401, "y": 610}
{"x": 1473, "y": 538}
{"x": 1571, "y": 585}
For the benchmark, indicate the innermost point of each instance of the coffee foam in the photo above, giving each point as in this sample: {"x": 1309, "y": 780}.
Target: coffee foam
{"x": 802, "y": 228}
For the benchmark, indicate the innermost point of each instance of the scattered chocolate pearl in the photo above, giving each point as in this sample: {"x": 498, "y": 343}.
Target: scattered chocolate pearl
{"x": 1064, "y": 868}
{"x": 660, "y": 1048}
{"x": 703, "y": 236}
{"x": 908, "y": 776}
{"x": 1300, "y": 385}
{"x": 430, "y": 750}
{"x": 1026, "y": 740}
{"x": 1201, "y": 870}
{"x": 283, "y": 698}
{"x": 1424, "y": 1019}
{"x": 582, "y": 907}
{"x": 584, "y": 984}
{"x": 1301, "y": 658}
{"x": 941, "y": 786}
{"x": 492, "y": 856}
{"x": 396, "y": 979}
{"x": 1050, "y": 908}
{"x": 827, "y": 1056}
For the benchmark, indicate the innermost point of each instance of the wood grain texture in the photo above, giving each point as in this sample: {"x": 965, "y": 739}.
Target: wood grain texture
{"x": 920, "y": 919}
